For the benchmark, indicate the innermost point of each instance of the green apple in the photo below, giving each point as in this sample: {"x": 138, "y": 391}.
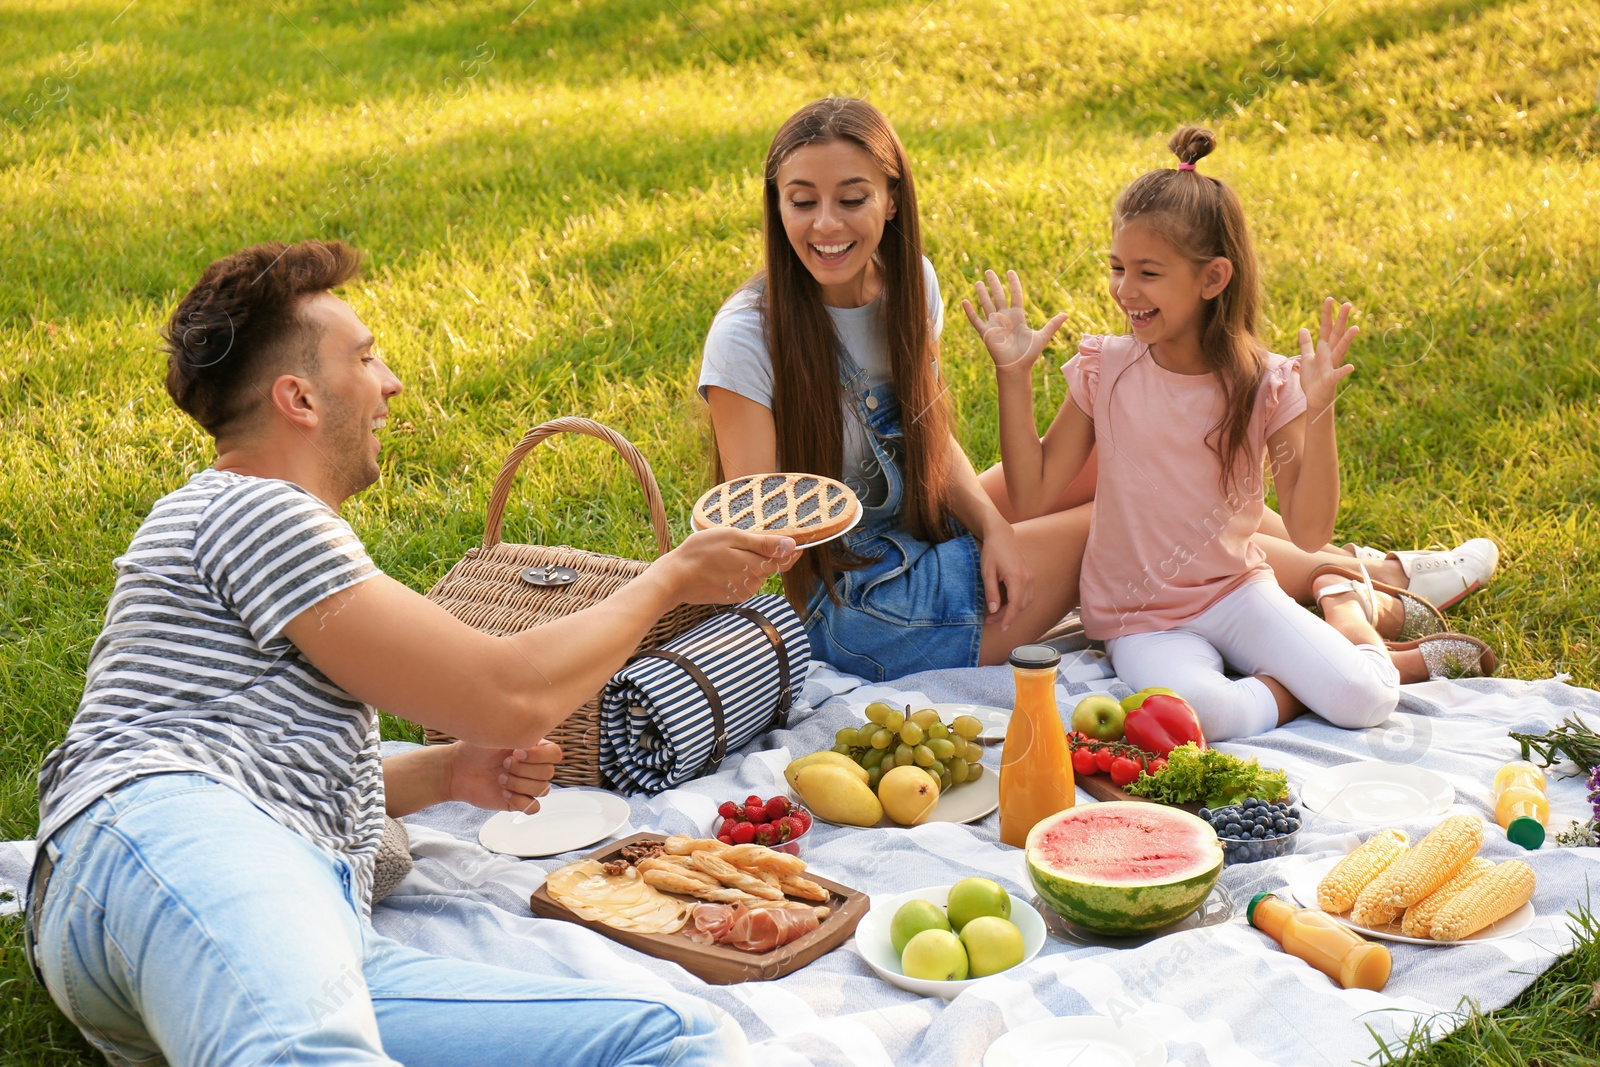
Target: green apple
{"x": 993, "y": 945}
{"x": 1100, "y": 717}
{"x": 914, "y": 917}
{"x": 974, "y": 897}
{"x": 935, "y": 956}
{"x": 1133, "y": 700}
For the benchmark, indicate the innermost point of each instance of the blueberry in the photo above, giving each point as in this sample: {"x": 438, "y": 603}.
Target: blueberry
{"x": 1293, "y": 813}
{"x": 1232, "y": 829}
{"x": 1281, "y": 825}
{"x": 1250, "y": 802}
{"x": 1204, "y": 813}
{"x": 1259, "y": 831}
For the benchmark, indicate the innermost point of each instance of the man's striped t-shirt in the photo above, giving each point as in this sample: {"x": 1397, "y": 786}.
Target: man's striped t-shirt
{"x": 192, "y": 673}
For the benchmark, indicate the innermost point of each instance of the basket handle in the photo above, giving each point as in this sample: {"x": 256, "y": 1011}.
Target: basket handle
{"x": 572, "y": 424}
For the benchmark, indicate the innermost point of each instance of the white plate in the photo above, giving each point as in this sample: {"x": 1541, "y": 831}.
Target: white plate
{"x": 1303, "y": 885}
{"x": 1374, "y": 792}
{"x": 1079, "y": 1041}
{"x": 566, "y": 819}
{"x": 873, "y": 944}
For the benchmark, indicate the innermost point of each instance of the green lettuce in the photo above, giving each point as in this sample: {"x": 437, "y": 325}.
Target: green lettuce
{"x": 1206, "y": 776}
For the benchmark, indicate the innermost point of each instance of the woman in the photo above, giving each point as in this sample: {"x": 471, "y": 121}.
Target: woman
{"x": 828, "y": 362}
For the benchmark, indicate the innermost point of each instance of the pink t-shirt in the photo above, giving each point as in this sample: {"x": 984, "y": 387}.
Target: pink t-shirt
{"x": 1165, "y": 543}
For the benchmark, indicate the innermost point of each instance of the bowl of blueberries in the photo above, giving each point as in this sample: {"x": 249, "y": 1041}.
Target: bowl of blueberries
{"x": 1254, "y": 829}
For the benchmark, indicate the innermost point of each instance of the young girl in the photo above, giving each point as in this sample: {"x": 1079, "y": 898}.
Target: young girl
{"x": 1183, "y": 412}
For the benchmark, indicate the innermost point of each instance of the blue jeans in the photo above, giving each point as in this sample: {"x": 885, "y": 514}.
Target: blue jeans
{"x": 183, "y": 925}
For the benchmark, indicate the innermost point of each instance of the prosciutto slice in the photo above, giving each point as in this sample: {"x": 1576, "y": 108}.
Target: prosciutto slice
{"x": 750, "y": 929}
{"x": 763, "y": 929}
{"x": 711, "y": 922}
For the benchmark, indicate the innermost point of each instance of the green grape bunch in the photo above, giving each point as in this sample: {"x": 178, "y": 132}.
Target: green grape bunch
{"x": 893, "y": 738}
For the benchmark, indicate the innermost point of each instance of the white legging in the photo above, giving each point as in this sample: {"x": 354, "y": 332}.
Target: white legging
{"x": 1258, "y": 630}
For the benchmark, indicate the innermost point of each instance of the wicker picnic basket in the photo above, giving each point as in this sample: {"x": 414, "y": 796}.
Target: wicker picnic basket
{"x": 501, "y": 588}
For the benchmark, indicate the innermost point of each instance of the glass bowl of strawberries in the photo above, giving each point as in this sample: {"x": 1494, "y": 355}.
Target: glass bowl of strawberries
{"x": 779, "y": 823}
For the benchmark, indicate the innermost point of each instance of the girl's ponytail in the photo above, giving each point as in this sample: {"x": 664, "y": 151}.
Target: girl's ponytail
{"x": 1191, "y": 144}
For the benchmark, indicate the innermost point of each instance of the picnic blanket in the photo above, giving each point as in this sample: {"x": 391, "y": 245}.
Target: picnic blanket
{"x": 1222, "y": 995}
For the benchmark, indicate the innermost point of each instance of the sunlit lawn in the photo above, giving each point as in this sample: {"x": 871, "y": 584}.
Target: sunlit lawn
{"x": 554, "y": 203}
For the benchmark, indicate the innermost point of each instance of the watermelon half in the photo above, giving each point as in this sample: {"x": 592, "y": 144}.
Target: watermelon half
{"x": 1123, "y": 867}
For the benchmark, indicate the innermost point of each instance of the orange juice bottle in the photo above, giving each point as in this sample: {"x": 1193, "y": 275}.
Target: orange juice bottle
{"x": 1520, "y": 805}
{"x": 1319, "y": 939}
{"x": 1035, "y": 764}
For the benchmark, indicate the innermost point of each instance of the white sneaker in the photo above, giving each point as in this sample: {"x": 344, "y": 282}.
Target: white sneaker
{"x": 1446, "y": 578}
{"x": 1363, "y": 552}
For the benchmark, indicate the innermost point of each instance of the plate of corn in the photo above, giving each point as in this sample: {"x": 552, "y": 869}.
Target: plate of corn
{"x": 1438, "y": 891}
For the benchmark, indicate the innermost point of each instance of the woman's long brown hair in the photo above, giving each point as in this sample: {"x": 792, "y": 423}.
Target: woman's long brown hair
{"x": 807, "y": 398}
{"x": 1203, "y": 219}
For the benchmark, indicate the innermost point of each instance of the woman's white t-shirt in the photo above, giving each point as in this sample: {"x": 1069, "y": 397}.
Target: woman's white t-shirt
{"x": 736, "y": 359}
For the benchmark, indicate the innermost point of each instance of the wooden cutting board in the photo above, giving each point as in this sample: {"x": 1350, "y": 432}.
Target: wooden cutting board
{"x": 1101, "y": 787}
{"x": 721, "y": 964}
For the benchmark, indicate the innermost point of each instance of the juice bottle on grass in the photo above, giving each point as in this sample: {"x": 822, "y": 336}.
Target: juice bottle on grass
{"x": 1319, "y": 939}
{"x": 1035, "y": 764}
{"x": 1521, "y": 806}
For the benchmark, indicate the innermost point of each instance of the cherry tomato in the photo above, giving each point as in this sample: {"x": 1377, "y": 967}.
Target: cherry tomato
{"x": 1157, "y": 765}
{"x": 1103, "y": 758}
{"x": 1083, "y": 762}
{"x": 1124, "y": 771}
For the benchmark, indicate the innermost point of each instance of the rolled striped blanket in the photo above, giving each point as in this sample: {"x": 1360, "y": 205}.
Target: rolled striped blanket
{"x": 673, "y": 713}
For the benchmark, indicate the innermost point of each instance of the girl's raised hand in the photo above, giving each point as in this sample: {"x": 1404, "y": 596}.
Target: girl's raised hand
{"x": 1004, "y": 325}
{"x": 1322, "y": 366}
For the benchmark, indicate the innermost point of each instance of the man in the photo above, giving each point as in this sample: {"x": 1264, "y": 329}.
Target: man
{"x": 209, "y": 825}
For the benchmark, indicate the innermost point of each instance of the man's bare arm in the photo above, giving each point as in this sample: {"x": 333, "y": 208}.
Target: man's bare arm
{"x": 389, "y": 646}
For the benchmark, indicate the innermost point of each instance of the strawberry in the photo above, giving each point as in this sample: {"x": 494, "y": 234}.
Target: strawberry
{"x": 743, "y": 833}
{"x": 725, "y": 839}
{"x": 728, "y": 809}
{"x": 755, "y": 812}
{"x": 753, "y": 801}
{"x": 765, "y": 834}
{"x": 777, "y": 807}
{"x": 783, "y": 829}
{"x": 802, "y": 821}
{"x": 727, "y": 826}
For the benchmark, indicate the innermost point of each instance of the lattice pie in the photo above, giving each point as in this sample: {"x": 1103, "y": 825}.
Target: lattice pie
{"x": 807, "y": 507}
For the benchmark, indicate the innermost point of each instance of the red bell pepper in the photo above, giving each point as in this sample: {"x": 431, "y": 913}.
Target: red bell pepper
{"x": 1162, "y": 723}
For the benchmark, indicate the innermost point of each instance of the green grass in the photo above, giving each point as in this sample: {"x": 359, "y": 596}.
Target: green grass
{"x": 554, "y": 204}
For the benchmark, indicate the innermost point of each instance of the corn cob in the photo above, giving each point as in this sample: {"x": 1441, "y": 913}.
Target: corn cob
{"x": 1419, "y": 917}
{"x": 1339, "y": 887}
{"x": 1434, "y": 861}
{"x": 1489, "y": 898}
{"x": 1372, "y": 907}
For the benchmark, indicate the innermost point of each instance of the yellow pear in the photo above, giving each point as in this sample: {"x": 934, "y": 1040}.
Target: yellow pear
{"x": 908, "y": 794}
{"x": 825, "y": 756}
{"x": 834, "y": 794}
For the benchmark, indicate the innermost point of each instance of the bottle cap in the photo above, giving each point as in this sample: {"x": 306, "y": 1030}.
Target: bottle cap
{"x": 1035, "y": 657}
{"x": 1250, "y": 909}
{"x": 1529, "y": 833}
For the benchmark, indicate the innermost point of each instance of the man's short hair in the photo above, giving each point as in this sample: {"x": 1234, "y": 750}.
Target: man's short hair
{"x": 241, "y": 321}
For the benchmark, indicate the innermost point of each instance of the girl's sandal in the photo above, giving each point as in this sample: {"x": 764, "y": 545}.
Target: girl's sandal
{"x": 1361, "y": 587}
{"x": 1422, "y": 618}
{"x": 1451, "y": 655}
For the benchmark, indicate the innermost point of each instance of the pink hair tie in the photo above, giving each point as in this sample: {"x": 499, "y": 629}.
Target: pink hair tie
{"x": 1186, "y": 166}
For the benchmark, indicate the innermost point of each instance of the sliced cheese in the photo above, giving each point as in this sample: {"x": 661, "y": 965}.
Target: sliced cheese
{"x": 624, "y": 901}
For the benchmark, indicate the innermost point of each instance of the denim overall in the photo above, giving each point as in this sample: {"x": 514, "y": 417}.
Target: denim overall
{"x": 919, "y": 607}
